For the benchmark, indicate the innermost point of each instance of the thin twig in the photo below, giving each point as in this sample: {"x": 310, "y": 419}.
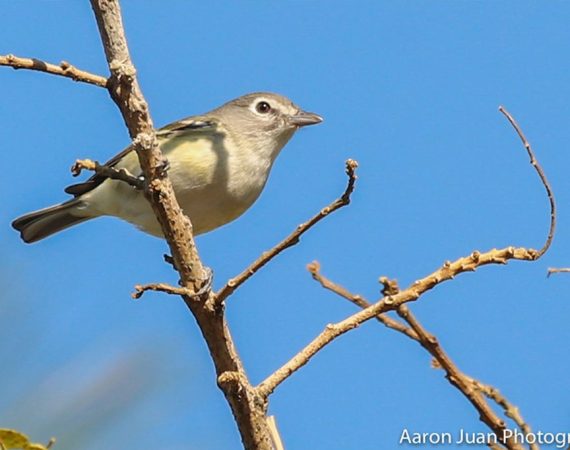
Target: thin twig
{"x": 275, "y": 436}
{"x": 64, "y": 69}
{"x": 542, "y": 175}
{"x": 108, "y": 172}
{"x": 290, "y": 240}
{"x": 510, "y": 410}
{"x": 552, "y": 270}
{"x": 140, "y": 289}
{"x": 392, "y": 302}
{"x": 315, "y": 269}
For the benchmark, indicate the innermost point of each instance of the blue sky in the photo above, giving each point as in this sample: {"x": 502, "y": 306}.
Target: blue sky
{"x": 408, "y": 88}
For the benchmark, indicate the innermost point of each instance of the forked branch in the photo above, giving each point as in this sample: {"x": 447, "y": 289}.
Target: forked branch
{"x": 394, "y": 302}
{"x": 468, "y": 386}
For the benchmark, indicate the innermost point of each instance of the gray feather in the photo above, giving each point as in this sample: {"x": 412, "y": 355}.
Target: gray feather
{"x": 45, "y": 222}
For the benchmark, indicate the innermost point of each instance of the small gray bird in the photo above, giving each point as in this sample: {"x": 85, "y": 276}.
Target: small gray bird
{"x": 218, "y": 164}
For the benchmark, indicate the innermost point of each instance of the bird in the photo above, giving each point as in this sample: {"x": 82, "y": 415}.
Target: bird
{"x": 218, "y": 163}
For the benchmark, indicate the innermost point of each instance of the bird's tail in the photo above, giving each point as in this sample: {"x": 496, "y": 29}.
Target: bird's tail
{"x": 40, "y": 224}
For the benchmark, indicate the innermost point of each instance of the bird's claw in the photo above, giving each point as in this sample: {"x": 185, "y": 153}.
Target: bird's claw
{"x": 163, "y": 167}
{"x": 207, "y": 283}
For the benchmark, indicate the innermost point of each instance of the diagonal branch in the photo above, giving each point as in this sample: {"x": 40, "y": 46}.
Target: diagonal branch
{"x": 510, "y": 410}
{"x": 64, "y": 69}
{"x": 290, "y": 240}
{"x": 458, "y": 379}
{"x": 315, "y": 269}
{"x": 392, "y": 302}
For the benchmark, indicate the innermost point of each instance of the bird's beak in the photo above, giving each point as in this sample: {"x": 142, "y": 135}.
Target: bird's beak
{"x": 303, "y": 118}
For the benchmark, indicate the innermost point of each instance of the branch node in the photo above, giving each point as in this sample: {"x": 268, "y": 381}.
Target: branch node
{"x": 552, "y": 270}
{"x": 330, "y": 327}
{"x": 169, "y": 260}
{"x": 230, "y": 381}
{"x": 314, "y": 267}
{"x": 390, "y": 287}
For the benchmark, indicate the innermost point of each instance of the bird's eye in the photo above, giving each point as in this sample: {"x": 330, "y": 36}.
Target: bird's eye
{"x": 263, "y": 107}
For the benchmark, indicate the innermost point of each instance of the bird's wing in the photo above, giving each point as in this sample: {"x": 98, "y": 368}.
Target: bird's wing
{"x": 194, "y": 124}
{"x": 190, "y": 124}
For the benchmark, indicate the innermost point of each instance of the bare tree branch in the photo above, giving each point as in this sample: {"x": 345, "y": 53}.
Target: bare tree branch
{"x": 417, "y": 332}
{"x": 106, "y": 171}
{"x": 248, "y": 408}
{"x": 511, "y": 410}
{"x": 275, "y": 436}
{"x": 315, "y": 269}
{"x": 393, "y": 302}
{"x": 125, "y": 91}
{"x": 390, "y": 303}
{"x": 63, "y": 70}
{"x": 542, "y": 175}
{"x": 290, "y": 240}
{"x": 458, "y": 379}
{"x": 249, "y": 404}
{"x": 552, "y": 270}
{"x": 140, "y": 289}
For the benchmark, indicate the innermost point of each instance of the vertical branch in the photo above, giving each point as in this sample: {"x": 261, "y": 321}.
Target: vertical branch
{"x": 247, "y": 406}
{"x": 125, "y": 91}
